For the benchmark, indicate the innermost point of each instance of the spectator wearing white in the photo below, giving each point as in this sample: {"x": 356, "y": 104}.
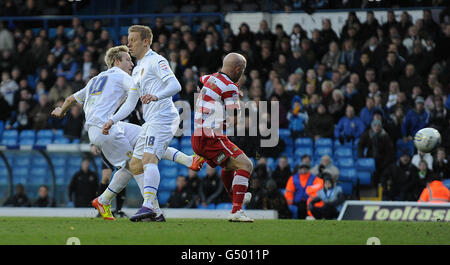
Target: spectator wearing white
{"x": 427, "y": 157}
{"x": 326, "y": 166}
{"x": 393, "y": 93}
{"x": 8, "y": 87}
{"x": 6, "y": 39}
{"x": 331, "y": 58}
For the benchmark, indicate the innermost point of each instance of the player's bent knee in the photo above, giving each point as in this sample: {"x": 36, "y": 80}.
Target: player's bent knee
{"x": 149, "y": 159}
{"x": 135, "y": 166}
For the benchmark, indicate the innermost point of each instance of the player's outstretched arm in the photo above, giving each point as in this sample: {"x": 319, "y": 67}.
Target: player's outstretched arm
{"x": 171, "y": 88}
{"x": 124, "y": 110}
{"x": 59, "y": 112}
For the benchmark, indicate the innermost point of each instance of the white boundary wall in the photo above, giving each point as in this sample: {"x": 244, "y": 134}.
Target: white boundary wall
{"x": 169, "y": 213}
{"x": 308, "y": 22}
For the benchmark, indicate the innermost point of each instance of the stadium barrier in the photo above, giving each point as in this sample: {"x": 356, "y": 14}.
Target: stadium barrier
{"x": 34, "y": 165}
{"x": 395, "y": 211}
{"x": 168, "y": 212}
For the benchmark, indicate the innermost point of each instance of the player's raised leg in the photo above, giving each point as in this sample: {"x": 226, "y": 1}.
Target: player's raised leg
{"x": 194, "y": 162}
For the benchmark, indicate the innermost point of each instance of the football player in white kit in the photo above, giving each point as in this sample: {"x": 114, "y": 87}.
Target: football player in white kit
{"x": 156, "y": 84}
{"x": 100, "y": 98}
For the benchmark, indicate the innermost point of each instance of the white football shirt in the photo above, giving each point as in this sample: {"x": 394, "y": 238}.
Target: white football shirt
{"x": 103, "y": 95}
{"x": 149, "y": 76}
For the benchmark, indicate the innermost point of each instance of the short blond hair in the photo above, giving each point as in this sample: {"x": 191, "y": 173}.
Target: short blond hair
{"x": 114, "y": 53}
{"x": 144, "y": 31}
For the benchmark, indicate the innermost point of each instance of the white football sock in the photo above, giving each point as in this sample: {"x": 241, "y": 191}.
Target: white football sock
{"x": 156, "y": 207}
{"x": 119, "y": 181}
{"x": 175, "y": 155}
{"x": 151, "y": 184}
{"x": 140, "y": 181}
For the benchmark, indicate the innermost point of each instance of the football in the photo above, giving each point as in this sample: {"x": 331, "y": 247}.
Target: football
{"x": 427, "y": 139}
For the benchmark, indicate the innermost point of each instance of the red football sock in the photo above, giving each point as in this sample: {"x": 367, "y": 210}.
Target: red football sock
{"x": 240, "y": 185}
{"x": 227, "y": 179}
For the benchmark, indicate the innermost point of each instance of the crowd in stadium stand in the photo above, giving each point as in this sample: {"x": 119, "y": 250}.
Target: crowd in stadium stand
{"x": 371, "y": 82}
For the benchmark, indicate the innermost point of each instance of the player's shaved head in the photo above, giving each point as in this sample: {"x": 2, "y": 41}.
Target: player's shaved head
{"x": 234, "y": 65}
{"x": 234, "y": 59}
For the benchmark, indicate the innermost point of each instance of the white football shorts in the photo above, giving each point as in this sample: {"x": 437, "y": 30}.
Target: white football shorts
{"x": 155, "y": 137}
{"x": 118, "y": 145}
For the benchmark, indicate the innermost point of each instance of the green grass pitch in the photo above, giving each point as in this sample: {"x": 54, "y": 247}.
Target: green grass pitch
{"x": 95, "y": 231}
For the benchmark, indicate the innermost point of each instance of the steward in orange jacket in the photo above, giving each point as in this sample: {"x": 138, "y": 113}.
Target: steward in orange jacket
{"x": 435, "y": 192}
{"x": 301, "y": 188}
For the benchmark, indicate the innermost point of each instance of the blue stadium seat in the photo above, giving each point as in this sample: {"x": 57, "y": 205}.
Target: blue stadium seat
{"x": 20, "y": 175}
{"x": 38, "y": 180}
{"x": 71, "y": 170}
{"x": 337, "y": 144}
{"x": 43, "y": 141}
{"x": 323, "y": 150}
{"x": 365, "y": 164}
{"x": 347, "y": 187}
{"x": 284, "y": 132}
{"x": 27, "y": 134}
{"x": 60, "y": 171}
{"x": 175, "y": 143}
{"x": 202, "y": 172}
{"x": 285, "y": 135}
{"x": 183, "y": 171}
{"x": 45, "y": 134}
{"x": 446, "y": 183}
{"x": 168, "y": 184}
{"x": 58, "y": 161}
{"x": 10, "y": 134}
{"x": 112, "y": 32}
{"x": 163, "y": 197}
{"x": 271, "y": 163}
{"x": 288, "y": 153}
{"x": 22, "y": 161}
{"x": 187, "y": 150}
{"x": 304, "y": 142}
{"x": 31, "y": 81}
{"x": 74, "y": 161}
{"x": 328, "y": 142}
{"x": 166, "y": 163}
{"x": 4, "y": 177}
{"x": 26, "y": 141}
{"x": 224, "y": 206}
{"x": 39, "y": 171}
{"x": 61, "y": 180}
{"x": 58, "y": 133}
{"x": 169, "y": 172}
{"x": 299, "y": 152}
{"x": 185, "y": 141}
{"x": 348, "y": 174}
{"x": 345, "y": 162}
{"x": 39, "y": 161}
{"x": 75, "y": 141}
{"x": 51, "y": 32}
{"x": 365, "y": 177}
{"x": 343, "y": 151}
{"x": 9, "y": 142}
{"x": 123, "y": 31}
